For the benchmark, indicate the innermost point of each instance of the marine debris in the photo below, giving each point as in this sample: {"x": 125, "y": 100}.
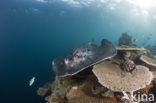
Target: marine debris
{"x": 106, "y": 81}
{"x": 83, "y": 57}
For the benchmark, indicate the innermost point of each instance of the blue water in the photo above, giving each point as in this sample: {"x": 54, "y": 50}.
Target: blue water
{"x": 33, "y": 33}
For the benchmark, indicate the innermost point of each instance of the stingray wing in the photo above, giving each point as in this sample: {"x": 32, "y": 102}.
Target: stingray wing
{"x": 82, "y": 57}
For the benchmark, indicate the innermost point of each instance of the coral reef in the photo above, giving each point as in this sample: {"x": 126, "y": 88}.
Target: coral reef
{"x": 45, "y": 90}
{"x": 111, "y": 76}
{"x": 132, "y": 48}
{"x": 106, "y": 81}
{"x": 128, "y": 65}
{"x": 125, "y": 39}
{"x": 56, "y": 97}
{"x": 76, "y": 95}
{"x": 148, "y": 60}
{"x": 42, "y": 91}
{"x": 108, "y": 93}
{"x": 152, "y": 48}
{"x": 126, "y": 101}
{"x": 130, "y": 52}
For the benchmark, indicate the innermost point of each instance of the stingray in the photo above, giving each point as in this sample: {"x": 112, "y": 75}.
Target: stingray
{"x": 83, "y": 57}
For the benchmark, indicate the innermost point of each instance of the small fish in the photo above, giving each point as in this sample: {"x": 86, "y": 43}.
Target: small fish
{"x": 135, "y": 40}
{"x": 32, "y": 80}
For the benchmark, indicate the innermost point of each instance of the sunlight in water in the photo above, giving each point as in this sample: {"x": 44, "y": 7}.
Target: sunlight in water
{"x": 143, "y": 4}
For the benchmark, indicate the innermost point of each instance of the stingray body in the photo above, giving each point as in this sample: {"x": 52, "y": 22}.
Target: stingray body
{"x": 83, "y": 57}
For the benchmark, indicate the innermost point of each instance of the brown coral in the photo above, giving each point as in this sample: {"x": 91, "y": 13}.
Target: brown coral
{"x": 111, "y": 76}
{"x": 59, "y": 89}
{"x": 126, "y": 101}
{"x": 133, "y": 53}
{"x": 128, "y": 65}
{"x": 148, "y": 60}
{"x": 76, "y": 95}
{"x": 56, "y": 98}
{"x": 131, "y": 49}
{"x": 42, "y": 91}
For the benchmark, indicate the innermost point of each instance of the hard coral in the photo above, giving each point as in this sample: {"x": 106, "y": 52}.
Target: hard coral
{"x": 125, "y": 39}
{"x": 152, "y": 48}
{"x": 42, "y": 91}
{"x": 148, "y": 61}
{"x": 126, "y": 101}
{"x": 111, "y": 76}
{"x": 127, "y": 48}
{"x": 128, "y": 52}
{"x": 59, "y": 89}
{"x": 45, "y": 90}
{"x": 77, "y": 95}
{"x": 128, "y": 65}
{"x": 56, "y": 98}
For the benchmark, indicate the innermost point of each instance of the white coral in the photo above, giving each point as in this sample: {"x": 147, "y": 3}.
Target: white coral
{"x": 111, "y": 76}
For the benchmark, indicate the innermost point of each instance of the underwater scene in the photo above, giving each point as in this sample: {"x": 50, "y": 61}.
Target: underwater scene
{"x": 78, "y": 51}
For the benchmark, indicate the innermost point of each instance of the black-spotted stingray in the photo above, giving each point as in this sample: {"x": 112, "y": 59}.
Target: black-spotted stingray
{"x": 83, "y": 57}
